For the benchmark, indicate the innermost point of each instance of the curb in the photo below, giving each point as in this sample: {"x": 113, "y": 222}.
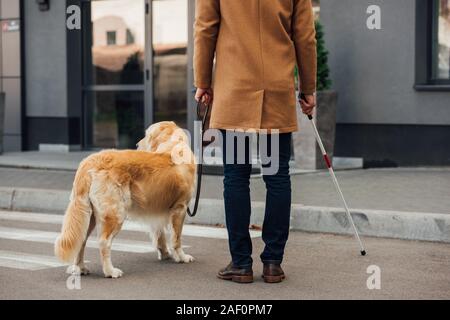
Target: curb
{"x": 376, "y": 223}
{"x": 35, "y": 200}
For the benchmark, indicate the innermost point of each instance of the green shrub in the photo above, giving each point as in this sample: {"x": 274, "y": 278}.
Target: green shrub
{"x": 323, "y": 70}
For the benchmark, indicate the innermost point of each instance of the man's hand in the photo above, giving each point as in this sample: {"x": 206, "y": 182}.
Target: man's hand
{"x": 206, "y": 95}
{"x": 308, "y": 103}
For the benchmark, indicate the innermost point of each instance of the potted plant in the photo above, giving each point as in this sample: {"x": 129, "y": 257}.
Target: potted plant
{"x": 306, "y": 152}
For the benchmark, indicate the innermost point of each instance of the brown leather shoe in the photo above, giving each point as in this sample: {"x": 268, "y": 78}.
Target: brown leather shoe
{"x": 239, "y": 275}
{"x": 272, "y": 273}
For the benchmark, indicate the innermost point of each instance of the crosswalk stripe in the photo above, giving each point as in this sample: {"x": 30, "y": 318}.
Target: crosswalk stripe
{"x": 27, "y": 261}
{"x": 188, "y": 230}
{"x": 31, "y": 217}
{"x": 123, "y": 245}
{"x": 23, "y": 265}
{"x": 33, "y": 262}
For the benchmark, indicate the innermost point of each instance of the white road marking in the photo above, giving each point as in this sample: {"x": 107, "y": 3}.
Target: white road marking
{"x": 27, "y": 261}
{"x": 33, "y": 262}
{"x": 188, "y": 230}
{"x": 31, "y": 217}
{"x": 22, "y": 265}
{"x": 50, "y": 237}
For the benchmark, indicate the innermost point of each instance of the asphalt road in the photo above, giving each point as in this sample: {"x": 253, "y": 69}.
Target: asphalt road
{"x": 317, "y": 266}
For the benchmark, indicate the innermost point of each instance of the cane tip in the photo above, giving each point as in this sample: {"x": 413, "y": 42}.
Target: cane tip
{"x": 363, "y": 253}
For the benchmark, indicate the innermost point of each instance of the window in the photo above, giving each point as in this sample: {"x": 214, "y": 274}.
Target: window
{"x": 432, "y": 45}
{"x": 114, "y": 88}
{"x": 170, "y": 60}
{"x": 111, "y": 38}
{"x": 130, "y": 37}
{"x": 441, "y": 41}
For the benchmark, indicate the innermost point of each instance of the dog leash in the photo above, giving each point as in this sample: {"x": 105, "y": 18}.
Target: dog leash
{"x": 204, "y": 120}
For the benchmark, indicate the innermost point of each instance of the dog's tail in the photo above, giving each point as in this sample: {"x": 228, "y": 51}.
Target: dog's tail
{"x": 77, "y": 217}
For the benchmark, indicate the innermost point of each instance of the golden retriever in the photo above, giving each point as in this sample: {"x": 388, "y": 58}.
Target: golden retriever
{"x": 152, "y": 184}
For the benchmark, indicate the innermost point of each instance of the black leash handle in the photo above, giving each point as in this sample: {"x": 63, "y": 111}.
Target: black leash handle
{"x": 204, "y": 120}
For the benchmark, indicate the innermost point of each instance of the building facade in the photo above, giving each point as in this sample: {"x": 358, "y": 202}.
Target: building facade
{"x": 11, "y": 73}
{"x": 393, "y": 83}
{"x": 128, "y": 63}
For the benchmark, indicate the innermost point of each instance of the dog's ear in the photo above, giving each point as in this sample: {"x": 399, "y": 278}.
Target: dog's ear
{"x": 149, "y": 142}
{"x": 146, "y": 143}
{"x": 161, "y": 136}
{"x": 179, "y": 135}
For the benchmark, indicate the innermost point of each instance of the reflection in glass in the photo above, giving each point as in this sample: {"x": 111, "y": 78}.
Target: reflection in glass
{"x": 118, "y": 42}
{"x": 170, "y": 36}
{"x": 117, "y": 118}
{"x": 442, "y": 47}
{"x": 114, "y": 58}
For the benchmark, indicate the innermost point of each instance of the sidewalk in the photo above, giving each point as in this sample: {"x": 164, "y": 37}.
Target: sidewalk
{"x": 399, "y": 189}
{"x": 406, "y": 203}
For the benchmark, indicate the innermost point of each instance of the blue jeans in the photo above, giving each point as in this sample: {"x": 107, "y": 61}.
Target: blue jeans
{"x": 238, "y": 205}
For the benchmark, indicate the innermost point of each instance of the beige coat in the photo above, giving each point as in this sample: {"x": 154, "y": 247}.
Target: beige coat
{"x": 257, "y": 44}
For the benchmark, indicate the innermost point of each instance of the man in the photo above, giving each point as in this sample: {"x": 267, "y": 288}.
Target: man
{"x": 257, "y": 44}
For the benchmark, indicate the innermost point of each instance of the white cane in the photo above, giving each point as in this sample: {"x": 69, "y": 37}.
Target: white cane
{"x": 336, "y": 184}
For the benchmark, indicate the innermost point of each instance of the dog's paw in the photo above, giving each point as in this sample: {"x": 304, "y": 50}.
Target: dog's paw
{"x": 73, "y": 269}
{"x": 181, "y": 257}
{"x": 85, "y": 271}
{"x": 187, "y": 258}
{"x": 163, "y": 255}
{"x": 77, "y": 270}
{"x": 176, "y": 257}
{"x": 114, "y": 273}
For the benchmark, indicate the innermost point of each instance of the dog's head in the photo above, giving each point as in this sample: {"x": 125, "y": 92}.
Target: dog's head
{"x": 162, "y": 137}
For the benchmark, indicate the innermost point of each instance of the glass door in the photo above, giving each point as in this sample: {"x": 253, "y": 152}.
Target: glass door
{"x": 135, "y": 69}
{"x": 170, "y": 60}
{"x": 114, "y": 75}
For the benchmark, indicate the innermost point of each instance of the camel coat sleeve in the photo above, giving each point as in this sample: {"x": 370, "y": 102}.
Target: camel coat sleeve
{"x": 304, "y": 36}
{"x": 206, "y": 30}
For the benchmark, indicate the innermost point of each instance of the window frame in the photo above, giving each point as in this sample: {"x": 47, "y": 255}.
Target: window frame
{"x": 111, "y": 38}
{"x": 426, "y": 33}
